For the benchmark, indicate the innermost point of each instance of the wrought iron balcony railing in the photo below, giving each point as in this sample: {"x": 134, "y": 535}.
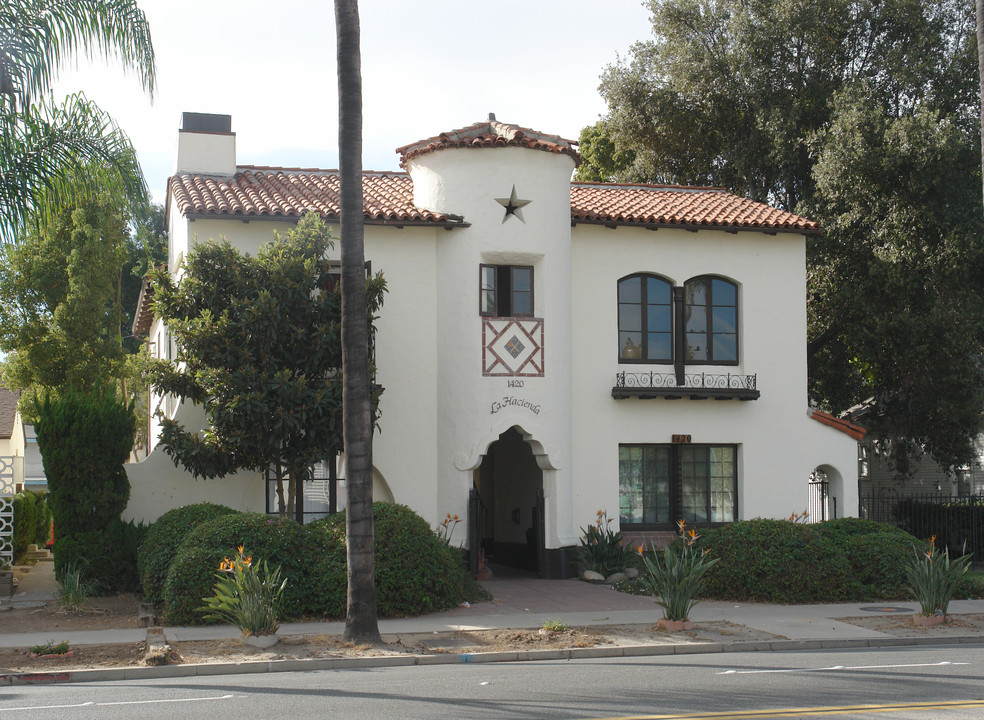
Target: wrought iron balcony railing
{"x": 726, "y": 386}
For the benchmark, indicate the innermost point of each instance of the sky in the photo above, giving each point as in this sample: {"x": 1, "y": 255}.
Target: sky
{"x": 427, "y": 66}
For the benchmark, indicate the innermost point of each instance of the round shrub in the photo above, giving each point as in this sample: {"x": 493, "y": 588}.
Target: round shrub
{"x": 416, "y": 571}
{"x": 164, "y": 536}
{"x": 279, "y": 542}
{"x": 190, "y": 577}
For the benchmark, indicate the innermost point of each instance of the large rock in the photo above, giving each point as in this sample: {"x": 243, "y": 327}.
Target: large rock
{"x": 615, "y": 578}
{"x": 592, "y": 576}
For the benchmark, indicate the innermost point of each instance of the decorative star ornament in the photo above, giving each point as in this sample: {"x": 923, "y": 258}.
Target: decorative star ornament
{"x": 513, "y": 205}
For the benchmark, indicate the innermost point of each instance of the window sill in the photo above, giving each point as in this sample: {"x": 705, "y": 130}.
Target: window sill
{"x": 696, "y": 386}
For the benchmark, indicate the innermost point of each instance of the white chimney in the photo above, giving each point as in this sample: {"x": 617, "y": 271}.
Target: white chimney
{"x": 206, "y": 145}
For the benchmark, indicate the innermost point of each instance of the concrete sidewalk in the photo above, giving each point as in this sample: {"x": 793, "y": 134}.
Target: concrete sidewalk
{"x": 517, "y": 603}
{"x": 520, "y": 603}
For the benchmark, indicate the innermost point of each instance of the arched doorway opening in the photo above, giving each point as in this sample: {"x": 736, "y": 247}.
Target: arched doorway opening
{"x": 826, "y": 489}
{"x": 509, "y": 494}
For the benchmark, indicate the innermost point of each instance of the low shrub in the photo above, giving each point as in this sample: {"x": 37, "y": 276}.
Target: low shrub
{"x": 416, "y": 571}
{"x": 191, "y": 575}
{"x": 164, "y": 536}
{"x": 784, "y": 562}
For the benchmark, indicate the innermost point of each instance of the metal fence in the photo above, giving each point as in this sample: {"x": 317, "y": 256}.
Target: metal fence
{"x": 957, "y": 522}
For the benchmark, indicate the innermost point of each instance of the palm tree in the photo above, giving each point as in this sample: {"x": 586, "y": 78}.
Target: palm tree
{"x": 360, "y": 619}
{"x": 47, "y": 151}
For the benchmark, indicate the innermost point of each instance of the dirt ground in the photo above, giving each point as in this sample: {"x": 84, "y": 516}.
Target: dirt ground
{"x": 121, "y": 612}
{"x": 902, "y": 626}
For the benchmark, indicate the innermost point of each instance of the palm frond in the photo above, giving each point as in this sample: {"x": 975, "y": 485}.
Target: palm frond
{"x": 53, "y": 154}
{"x": 37, "y": 36}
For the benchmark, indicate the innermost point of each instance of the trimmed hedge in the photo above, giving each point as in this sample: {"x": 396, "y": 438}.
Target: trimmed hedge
{"x": 164, "y": 537}
{"x": 783, "y": 562}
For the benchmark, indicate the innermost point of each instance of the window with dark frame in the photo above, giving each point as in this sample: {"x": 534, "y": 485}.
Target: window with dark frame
{"x": 660, "y": 484}
{"x": 711, "y": 319}
{"x": 658, "y": 322}
{"x": 506, "y": 290}
{"x": 645, "y": 319}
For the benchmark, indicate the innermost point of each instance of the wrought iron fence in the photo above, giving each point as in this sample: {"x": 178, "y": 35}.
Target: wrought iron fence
{"x": 957, "y": 522}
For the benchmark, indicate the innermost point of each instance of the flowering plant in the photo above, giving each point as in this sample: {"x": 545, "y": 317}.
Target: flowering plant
{"x": 601, "y": 547}
{"x": 246, "y": 595}
{"x": 445, "y": 528}
{"x": 677, "y": 576}
{"x": 933, "y": 577}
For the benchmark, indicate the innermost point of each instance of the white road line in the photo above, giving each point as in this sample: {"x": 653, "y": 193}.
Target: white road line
{"x": 120, "y": 702}
{"x": 837, "y": 667}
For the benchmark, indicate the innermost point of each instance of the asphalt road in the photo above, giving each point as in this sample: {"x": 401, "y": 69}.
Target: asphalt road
{"x": 938, "y": 683}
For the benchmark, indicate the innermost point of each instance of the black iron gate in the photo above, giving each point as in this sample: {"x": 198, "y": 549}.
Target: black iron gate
{"x": 820, "y": 501}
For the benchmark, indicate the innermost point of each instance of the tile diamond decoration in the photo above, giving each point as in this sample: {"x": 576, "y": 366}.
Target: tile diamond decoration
{"x": 514, "y": 347}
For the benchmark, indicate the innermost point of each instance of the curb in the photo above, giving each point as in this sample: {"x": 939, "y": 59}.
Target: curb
{"x": 272, "y": 666}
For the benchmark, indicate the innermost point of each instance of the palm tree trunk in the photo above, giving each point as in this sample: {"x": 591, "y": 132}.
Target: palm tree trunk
{"x": 360, "y": 620}
{"x": 980, "y": 73}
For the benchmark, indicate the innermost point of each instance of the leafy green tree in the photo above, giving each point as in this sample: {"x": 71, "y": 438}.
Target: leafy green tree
{"x": 85, "y": 436}
{"x": 51, "y": 153}
{"x": 360, "y": 619}
{"x": 60, "y": 301}
{"x": 859, "y": 114}
{"x": 259, "y": 349}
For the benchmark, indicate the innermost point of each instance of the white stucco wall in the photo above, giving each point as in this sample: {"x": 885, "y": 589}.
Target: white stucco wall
{"x": 471, "y": 412}
{"x": 779, "y": 445}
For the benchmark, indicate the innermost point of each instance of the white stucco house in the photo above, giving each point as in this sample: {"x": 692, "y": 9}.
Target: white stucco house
{"x": 549, "y": 348}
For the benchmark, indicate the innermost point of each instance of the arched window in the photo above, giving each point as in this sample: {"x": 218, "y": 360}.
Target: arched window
{"x": 711, "y": 321}
{"x": 645, "y": 319}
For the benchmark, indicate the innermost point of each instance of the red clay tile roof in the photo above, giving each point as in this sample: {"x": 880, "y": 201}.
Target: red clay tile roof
{"x": 677, "y": 206}
{"x": 8, "y": 412}
{"x": 491, "y": 134}
{"x": 143, "y": 316}
{"x": 848, "y": 428}
{"x": 290, "y": 192}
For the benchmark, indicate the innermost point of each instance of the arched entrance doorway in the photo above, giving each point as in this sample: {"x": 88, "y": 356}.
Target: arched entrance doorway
{"x": 509, "y": 495}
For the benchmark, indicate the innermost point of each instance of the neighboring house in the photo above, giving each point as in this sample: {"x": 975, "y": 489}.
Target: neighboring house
{"x": 548, "y": 348}
{"x": 879, "y": 479}
{"x": 11, "y": 440}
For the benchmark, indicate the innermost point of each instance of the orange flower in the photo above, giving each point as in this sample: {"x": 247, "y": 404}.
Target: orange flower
{"x": 241, "y": 549}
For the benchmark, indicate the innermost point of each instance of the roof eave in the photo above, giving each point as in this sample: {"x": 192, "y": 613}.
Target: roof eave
{"x": 694, "y": 227}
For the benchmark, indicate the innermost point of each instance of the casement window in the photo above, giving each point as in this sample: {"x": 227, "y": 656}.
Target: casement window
{"x": 661, "y": 484}
{"x": 506, "y": 290}
{"x": 711, "y": 319}
{"x": 694, "y": 325}
{"x": 645, "y": 319}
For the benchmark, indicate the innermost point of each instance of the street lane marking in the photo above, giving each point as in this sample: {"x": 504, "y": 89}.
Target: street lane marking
{"x": 119, "y": 702}
{"x": 809, "y": 712}
{"x": 837, "y": 667}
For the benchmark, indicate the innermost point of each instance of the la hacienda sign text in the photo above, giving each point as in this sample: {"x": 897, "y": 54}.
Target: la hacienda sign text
{"x": 510, "y": 401}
